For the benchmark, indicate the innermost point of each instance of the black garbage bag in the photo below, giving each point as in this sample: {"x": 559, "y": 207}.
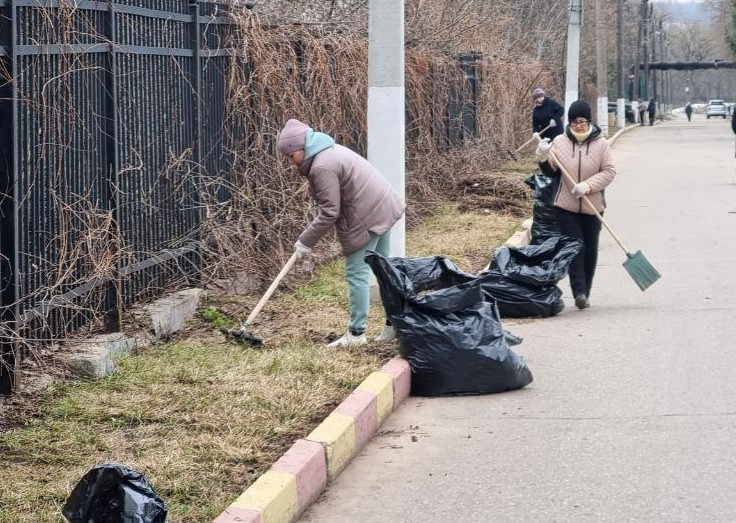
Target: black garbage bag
{"x": 113, "y": 493}
{"x": 542, "y": 265}
{"x": 544, "y": 218}
{"x": 452, "y": 335}
{"x": 521, "y": 300}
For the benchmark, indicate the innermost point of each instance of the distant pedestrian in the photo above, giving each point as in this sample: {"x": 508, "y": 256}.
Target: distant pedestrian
{"x": 733, "y": 122}
{"x": 689, "y": 111}
{"x": 642, "y": 108}
{"x": 546, "y": 109}
{"x": 652, "y": 108}
{"x": 586, "y": 156}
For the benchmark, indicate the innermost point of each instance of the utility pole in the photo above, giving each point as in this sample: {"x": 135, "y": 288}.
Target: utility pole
{"x": 637, "y": 61}
{"x": 386, "y": 123}
{"x": 601, "y": 68}
{"x": 653, "y": 44}
{"x": 573, "y": 52}
{"x": 645, "y": 41}
{"x": 620, "y": 96}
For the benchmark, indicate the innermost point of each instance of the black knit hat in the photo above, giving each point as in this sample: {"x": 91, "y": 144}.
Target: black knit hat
{"x": 579, "y": 109}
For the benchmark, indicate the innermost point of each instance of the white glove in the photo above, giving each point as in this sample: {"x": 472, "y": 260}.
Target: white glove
{"x": 581, "y": 189}
{"x": 542, "y": 152}
{"x": 301, "y": 250}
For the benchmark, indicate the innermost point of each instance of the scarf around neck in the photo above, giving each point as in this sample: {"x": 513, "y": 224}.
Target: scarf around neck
{"x": 581, "y": 137}
{"x": 316, "y": 142}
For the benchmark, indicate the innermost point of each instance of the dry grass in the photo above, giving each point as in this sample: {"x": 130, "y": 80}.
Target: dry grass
{"x": 200, "y": 417}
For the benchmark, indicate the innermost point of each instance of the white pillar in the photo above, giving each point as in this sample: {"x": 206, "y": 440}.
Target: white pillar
{"x": 621, "y": 113}
{"x": 573, "y": 53}
{"x": 386, "y": 125}
{"x": 601, "y": 68}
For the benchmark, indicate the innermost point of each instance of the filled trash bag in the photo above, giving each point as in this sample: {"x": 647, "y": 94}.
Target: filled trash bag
{"x": 544, "y": 218}
{"x": 521, "y": 300}
{"x": 113, "y": 493}
{"x": 523, "y": 280}
{"x": 543, "y": 264}
{"x": 451, "y": 335}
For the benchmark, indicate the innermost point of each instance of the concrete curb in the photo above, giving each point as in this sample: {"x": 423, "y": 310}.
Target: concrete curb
{"x": 616, "y": 136}
{"x": 298, "y": 478}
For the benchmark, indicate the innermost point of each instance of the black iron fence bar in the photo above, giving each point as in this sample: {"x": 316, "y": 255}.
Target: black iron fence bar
{"x": 44, "y": 307}
{"x": 56, "y": 49}
{"x": 196, "y": 73}
{"x": 96, "y": 5}
{"x": 25, "y": 50}
{"x": 9, "y": 346}
{"x": 46, "y": 49}
{"x": 112, "y": 289}
{"x": 92, "y": 5}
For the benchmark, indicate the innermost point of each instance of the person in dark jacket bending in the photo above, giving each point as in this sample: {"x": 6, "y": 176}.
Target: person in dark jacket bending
{"x": 546, "y": 109}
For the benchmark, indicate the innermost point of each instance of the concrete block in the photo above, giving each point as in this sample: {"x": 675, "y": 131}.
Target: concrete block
{"x": 95, "y": 358}
{"x": 361, "y": 406}
{"x": 238, "y": 515}
{"x": 337, "y": 434}
{"x": 399, "y": 370}
{"x": 382, "y": 386}
{"x": 308, "y": 462}
{"x": 273, "y": 496}
{"x": 169, "y": 314}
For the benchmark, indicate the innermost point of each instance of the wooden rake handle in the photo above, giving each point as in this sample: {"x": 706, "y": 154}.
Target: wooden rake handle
{"x": 271, "y": 289}
{"x": 587, "y": 201}
{"x": 530, "y": 140}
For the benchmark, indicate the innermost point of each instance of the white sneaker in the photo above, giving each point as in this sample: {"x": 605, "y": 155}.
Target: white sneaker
{"x": 387, "y": 335}
{"x": 349, "y": 340}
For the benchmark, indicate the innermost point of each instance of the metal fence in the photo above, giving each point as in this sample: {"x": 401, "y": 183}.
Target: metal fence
{"x": 111, "y": 113}
{"x": 111, "y": 121}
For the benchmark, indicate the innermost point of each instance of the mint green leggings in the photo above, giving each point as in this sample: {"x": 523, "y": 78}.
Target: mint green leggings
{"x": 357, "y": 273}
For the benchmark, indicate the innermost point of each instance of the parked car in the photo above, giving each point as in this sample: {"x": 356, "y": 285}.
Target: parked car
{"x": 716, "y": 108}
{"x": 628, "y": 111}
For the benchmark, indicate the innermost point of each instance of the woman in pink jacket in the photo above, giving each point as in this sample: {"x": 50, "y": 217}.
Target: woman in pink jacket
{"x": 586, "y": 155}
{"x": 353, "y": 198}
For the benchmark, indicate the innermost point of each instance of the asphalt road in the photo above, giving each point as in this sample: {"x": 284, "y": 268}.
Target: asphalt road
{"x": 632, "y": 412}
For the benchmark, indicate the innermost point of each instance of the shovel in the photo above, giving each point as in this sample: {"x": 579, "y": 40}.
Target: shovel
{"x": 638, "y": 267}
{"x": 552, "y": 123}
{"x": 242, "y": 334}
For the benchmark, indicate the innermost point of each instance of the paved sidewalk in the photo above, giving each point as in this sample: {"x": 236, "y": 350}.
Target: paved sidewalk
{"x": 632, "y": 414}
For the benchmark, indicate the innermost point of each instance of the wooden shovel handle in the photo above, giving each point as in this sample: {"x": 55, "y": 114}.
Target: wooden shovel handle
{"x": 271, "y": 289}
{"x": 587, "y": 201}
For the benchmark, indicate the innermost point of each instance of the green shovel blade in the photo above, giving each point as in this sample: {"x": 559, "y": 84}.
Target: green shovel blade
{"x": 640, "y": 270}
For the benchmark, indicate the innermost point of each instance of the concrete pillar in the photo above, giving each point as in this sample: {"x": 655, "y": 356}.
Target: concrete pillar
{"x": 573, "y": 53}
{"x": 386, "y": 121}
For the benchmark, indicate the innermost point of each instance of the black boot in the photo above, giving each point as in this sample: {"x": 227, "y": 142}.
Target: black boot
{"x": 582, "y": 301}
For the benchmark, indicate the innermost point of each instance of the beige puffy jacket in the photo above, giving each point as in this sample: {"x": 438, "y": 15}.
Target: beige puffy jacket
{"x": 589, "y": 162}
{"x": 351, "y": 195}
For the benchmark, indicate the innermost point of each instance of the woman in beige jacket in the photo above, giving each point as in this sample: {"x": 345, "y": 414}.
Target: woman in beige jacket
{"x": 354, "y": 200}
{"x": 586, "y": 155}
